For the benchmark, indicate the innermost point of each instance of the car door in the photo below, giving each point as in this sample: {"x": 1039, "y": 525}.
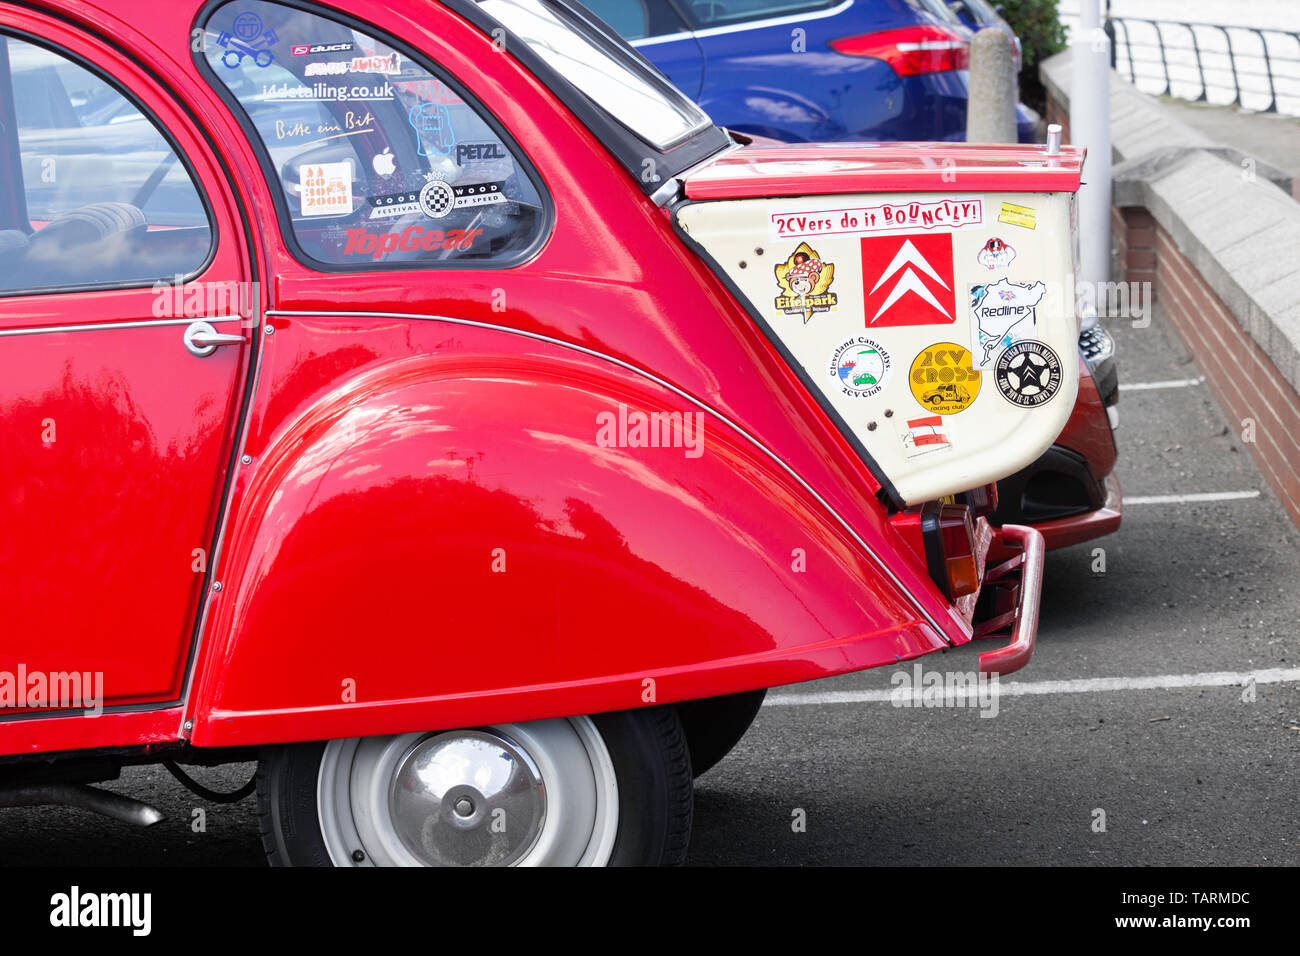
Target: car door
{"x": 124, "y": 286}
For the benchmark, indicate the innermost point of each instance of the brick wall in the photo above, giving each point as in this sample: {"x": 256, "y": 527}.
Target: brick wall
{"x": 1242, "y": 377}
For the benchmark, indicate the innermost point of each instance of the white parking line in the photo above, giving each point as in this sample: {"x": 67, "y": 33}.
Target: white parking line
{"x": 1092, "y": 685}
{"x": 1171, "y": 383}
{"x": 1184, "y": 499}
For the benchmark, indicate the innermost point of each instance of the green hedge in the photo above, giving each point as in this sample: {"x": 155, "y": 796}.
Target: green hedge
{"x": 1038, "y": 24}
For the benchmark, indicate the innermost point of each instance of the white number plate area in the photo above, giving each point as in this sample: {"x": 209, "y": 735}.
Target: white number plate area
{"x": 941, "y": 328}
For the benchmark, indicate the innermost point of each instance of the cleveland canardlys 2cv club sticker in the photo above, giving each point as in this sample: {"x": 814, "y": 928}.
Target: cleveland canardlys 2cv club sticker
{"x": 805, "y": 282}
{"x": 861, "y": 365}
{"x": 1002, "y": 313}
{"x": 1028, "y": 374}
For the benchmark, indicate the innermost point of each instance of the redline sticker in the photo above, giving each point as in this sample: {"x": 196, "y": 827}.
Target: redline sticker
{"x": 805, "y": 280}
{"x": 925, "y": 435}
{"x": 886, "y": 218}
{"x": 908, "y": 280}
{"x": 1001, "y": 313}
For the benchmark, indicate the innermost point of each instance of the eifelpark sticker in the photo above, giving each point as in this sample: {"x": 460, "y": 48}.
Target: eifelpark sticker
{"x": 805, "y": 281}
{"x": 861, "y": 365}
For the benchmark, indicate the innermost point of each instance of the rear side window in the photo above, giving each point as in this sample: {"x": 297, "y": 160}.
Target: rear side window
{"x": 711, "y": 13}
{"x": 94, "y": 195}
{"x": 379, "y": 161}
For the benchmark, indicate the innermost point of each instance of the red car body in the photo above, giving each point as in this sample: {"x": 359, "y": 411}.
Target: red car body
{"x": 383, "y": 512}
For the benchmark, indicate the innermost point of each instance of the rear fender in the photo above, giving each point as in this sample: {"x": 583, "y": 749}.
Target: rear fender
{"x": 484, "y": 532}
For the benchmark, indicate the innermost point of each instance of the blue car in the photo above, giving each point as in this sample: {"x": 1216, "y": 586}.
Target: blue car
{"x": 813, "y": 70}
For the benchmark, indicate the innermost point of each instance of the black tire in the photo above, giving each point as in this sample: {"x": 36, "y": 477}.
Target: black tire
{"x": 651, "y": 763}
{"x": 714, "y": 725}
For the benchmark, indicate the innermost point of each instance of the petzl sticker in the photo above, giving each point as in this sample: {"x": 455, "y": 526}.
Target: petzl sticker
{"x": 326, "y": 188}
{"x": 923, "y": 436}
{"x": 996, "y": 254}
{"x": 805, "y": 281}
{"x": 1002, "y": 313}
{"x": 861, "y": 365}
{"x": 908, "y": 280}
{"x": 943, "y": 380}
{"x": 1028, "y": 374}
{"x": 1018, "y": 215}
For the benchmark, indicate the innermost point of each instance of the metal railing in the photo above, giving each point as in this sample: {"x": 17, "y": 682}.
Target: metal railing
{"x": 1258, "y": 67}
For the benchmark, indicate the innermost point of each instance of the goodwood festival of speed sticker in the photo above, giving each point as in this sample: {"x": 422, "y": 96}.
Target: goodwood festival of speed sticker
{"x": 1028, "y": 374}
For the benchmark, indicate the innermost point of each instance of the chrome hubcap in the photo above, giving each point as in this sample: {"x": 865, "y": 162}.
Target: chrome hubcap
{"x": 541, "y": 793}
{"x": 467, "y": 798}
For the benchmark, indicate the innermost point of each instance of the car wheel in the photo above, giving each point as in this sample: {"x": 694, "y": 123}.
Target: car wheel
{"x": 714, "y": 725}
{"x": 607, "y": 790}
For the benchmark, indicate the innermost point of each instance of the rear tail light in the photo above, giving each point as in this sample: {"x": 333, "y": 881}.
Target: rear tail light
{"x": 949, "y": 533}
{"x": 982, "y": 501}
{"x": 925, "y": 48}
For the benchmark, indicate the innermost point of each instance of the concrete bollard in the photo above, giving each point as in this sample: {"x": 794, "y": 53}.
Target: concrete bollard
{"x": 991, "y": 108}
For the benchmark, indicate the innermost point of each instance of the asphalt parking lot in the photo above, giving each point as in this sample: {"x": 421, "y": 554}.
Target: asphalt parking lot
{"x": 1200, "y": 770}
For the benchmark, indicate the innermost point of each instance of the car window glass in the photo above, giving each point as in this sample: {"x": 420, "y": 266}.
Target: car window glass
{"x": 378, "y": 160}
{"x": 100, "y": 196}
{"x": 619, "y": 81}
{"x": 718, "y": 12}
{"x": 629, "y": 18}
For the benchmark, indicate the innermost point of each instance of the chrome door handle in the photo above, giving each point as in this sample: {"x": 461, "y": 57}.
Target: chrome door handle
{"x": 202, "y": 339}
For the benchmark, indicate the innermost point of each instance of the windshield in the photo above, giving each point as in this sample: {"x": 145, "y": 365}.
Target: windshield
{"x": 616, "y": 79}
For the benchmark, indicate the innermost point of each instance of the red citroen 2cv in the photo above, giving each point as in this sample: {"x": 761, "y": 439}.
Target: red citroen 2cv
{"x": 427, "y": 400}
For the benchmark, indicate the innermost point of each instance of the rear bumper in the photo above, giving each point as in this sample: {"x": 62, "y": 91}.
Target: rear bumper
{"x": 1093, "y": 524}
{"x": 1013, "y": 590}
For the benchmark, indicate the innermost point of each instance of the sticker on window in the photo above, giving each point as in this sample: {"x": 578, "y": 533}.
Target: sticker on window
{"x": 326, "y": 189}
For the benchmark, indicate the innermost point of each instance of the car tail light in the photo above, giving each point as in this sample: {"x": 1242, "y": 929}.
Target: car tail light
{"x": 982, "y": 501}
{"x": 925, "y": 48}
{"x": 949, "y": 533}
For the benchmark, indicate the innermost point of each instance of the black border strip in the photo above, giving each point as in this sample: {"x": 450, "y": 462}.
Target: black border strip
{"x": 250, "y": 379}
{"x": 892, "y": 498}
{"x": 545, "y": 226}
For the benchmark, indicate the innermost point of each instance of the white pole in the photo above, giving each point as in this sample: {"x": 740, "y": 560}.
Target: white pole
{"x": 1090, "y": 127}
